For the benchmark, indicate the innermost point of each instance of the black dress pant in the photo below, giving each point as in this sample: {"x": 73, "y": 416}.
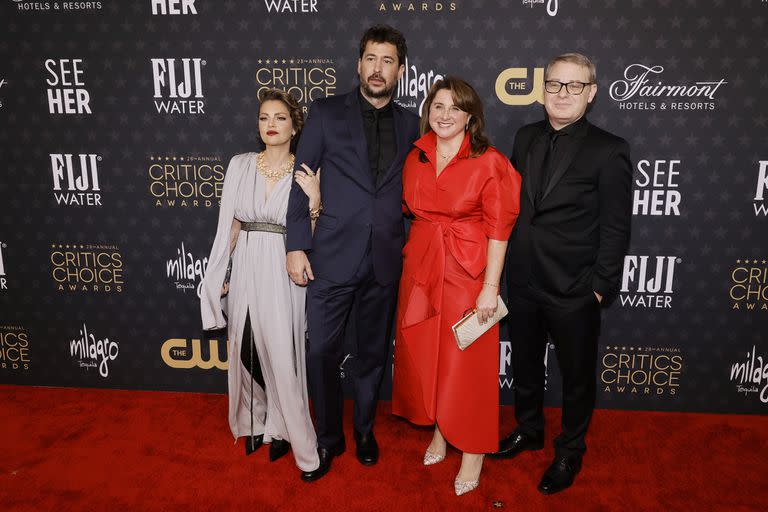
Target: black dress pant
{"x": 574, "y": 333}
{"x": 329, "y": 306}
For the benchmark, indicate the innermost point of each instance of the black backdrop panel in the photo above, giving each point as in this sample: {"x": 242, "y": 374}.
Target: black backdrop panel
{"x": 119, "y": 118}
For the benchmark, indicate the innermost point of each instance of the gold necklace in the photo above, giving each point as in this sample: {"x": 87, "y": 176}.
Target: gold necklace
{"x": 444, "y": 156}
{"x": 274, "y": 174}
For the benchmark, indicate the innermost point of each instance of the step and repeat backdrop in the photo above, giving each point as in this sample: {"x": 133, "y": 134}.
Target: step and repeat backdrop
{"x": 119, "y": 118}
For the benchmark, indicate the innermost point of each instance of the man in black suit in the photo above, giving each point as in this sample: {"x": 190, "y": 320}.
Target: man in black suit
{"x": 354, "y": 259}
{"x": 565, "y": 260}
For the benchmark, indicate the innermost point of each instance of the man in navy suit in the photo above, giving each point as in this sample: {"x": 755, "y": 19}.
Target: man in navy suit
{"x": 353, "y": 262}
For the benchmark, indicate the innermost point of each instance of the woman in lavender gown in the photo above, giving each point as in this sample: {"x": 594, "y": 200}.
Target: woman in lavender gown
{"x": 246, "y": 280}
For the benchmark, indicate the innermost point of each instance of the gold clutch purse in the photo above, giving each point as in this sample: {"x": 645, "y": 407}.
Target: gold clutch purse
{"x": 468, "y": 329}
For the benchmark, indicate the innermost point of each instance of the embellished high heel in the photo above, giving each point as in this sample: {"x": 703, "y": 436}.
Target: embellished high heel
{"x": 464, "y": 487}
{"x": 432, "y": 458}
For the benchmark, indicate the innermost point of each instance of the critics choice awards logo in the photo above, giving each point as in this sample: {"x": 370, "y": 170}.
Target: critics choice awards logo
{"x": 14, "y": 348}
{"x": 515, "y": 86}
{"x": 762, "y": 186}
{"x": 188, "y": 353}
{"x": 414, "y": 7}
{"x": 95, "y": 268}
{"x": 76, "y": 179}
{"x": 3, "y": 278}
{"x": 75, "y": 6}
{"x": 750, "y": 375}
{"x": 66, "y": 87}
{"x": 641, "y": 370}
{"x": 186, "y": 271}
{"x": 304, "y": 79}
{"x": 642, "y": 89}
{"x": 187, "y": 181}
{"x": 749, "y": 285}
{"x": 656, "y": 188}
{"x": 413, "y": 86}
{"x": 648, "y": 281}
{"x": 178, "y": 85}
{"x": 91, "y": 352}
{"x": 173, "y": 7}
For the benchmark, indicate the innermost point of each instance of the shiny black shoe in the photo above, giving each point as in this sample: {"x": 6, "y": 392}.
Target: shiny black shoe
{"x": 516, "y": 443}
{"x": 326, "y": 456}
{"x": 278, "y": 448}
{"x": 253, "y": 443}
{"x": 560, "y": 475}
{"x": 367, "y": 451}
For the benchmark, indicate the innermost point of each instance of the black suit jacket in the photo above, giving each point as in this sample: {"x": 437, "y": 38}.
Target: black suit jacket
{"x": 574, "y": 243}
{"x": 355, "y": 208}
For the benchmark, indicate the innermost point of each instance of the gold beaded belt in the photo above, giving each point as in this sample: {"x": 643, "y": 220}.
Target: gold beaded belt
{"x": 263, "y": 226}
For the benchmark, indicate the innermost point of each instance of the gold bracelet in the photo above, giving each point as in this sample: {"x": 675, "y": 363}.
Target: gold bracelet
{"x": 491, "y": 284}
{"x": 314, "y": 213}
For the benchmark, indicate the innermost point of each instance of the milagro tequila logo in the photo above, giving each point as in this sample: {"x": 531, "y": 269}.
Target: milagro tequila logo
{"x": 186, "y": 271}
{"x": 76, "y": 179}
{"x": 178, "y": 85}
{"x": 552, "y": 5}
{"x": 413, "y": 86}
{"x": 751, "y": 375}
{"x": 91, "y": 352}
{"x": 642, "y": 82}
{"x": 173, "y": 7}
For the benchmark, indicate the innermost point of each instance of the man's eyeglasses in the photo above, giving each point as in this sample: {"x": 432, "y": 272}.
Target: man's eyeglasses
{"x": 574, "y": 88}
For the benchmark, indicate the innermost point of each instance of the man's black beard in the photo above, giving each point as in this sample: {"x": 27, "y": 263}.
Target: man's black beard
{"x": 384, "y": 93}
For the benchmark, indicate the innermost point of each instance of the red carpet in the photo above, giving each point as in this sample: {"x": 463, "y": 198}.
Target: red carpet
{"x": 84, "y": 449}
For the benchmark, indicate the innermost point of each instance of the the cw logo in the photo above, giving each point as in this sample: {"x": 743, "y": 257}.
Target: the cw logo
{"x": 512, "y": 83}
{"x": 175, "y": 353}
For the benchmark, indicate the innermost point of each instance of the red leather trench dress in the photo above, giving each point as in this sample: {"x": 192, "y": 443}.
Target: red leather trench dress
{"x": 455, "y": 214}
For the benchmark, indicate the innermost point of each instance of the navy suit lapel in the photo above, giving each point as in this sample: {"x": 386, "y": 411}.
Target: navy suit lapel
{"x": 401, "y": 135}
{"x": 356, "y": 130}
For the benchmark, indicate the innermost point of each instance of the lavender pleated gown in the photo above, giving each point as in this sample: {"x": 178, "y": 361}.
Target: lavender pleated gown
{"x": 259, "y": 284}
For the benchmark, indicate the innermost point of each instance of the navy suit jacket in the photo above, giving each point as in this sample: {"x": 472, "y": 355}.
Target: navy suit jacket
{"x": 355, "y": 208}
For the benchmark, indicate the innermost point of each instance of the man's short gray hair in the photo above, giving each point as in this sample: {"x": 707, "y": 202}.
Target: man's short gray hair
{"x": 574, "y": 58}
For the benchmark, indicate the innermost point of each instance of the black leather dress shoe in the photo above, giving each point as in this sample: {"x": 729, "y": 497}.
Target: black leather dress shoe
{"x": 253, "y": 443}
{"x": 278, "y": 448}
{"x": 367, "y": 449}
{"x": 326, "y": 456}
{"x": 516, "y": 443}
{"x": 560, "y": 475}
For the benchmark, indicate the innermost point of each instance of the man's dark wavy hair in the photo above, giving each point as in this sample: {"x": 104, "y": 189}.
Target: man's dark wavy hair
{"x": 385, "y": 34}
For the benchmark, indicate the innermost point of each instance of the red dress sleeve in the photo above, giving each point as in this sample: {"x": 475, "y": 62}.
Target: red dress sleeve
{"x": 500, "y": 196}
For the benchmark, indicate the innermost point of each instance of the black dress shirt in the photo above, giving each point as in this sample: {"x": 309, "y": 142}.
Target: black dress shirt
{"x": 379, "y": 126}
{"x": 549, "y": 149}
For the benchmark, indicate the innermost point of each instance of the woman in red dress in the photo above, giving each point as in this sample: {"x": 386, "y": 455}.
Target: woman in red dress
{"x": 463, "y": 196}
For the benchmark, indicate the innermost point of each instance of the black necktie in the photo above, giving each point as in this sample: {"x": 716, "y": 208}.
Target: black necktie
{"x": 547, "y": 166}
{"x": 374, "y": 145}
